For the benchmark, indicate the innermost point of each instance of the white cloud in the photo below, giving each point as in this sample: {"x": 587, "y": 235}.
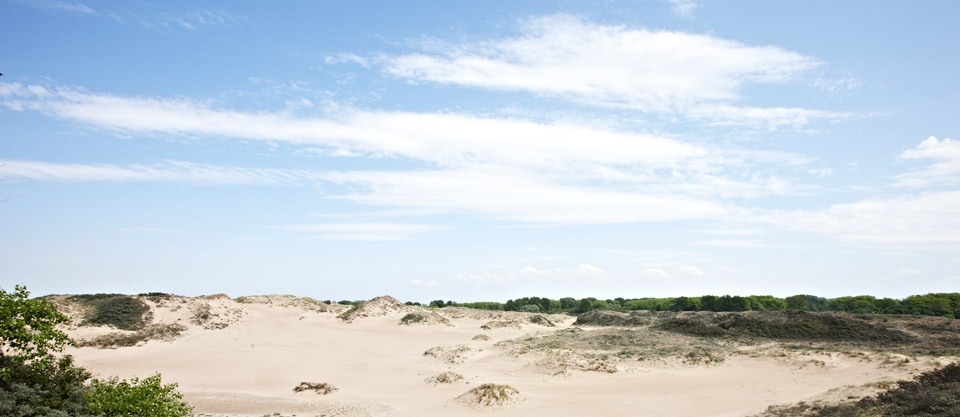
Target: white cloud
{"x": 519, "y": 170}
{"x": 684, "y": 8}
{"x": 363, "y": 231}
{"x": 944, "y": 170}
{"x": 657, "y": 71}
{"x": 589, "y": 269}
{"x": 821, "y": 172}
{"x": 516, "y": 196}
{"x": 927, "y": 218}
{"x": 691, "y": 271}
{"x": 733, "y": 243}
{"x": 657, "y": 273}
{"x": 421, "y": 283}
{"x": 169, "y": 171}
{"x": 343, "y": 58}
{"x": 440, "y": 138}
{"x": 58, "y": 6}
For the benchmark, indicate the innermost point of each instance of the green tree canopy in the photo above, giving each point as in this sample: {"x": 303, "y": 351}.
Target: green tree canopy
{"x": 28, "y": 327}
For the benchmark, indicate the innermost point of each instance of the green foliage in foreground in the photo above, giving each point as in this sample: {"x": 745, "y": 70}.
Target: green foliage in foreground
{"x": 54, "y": 390}
{"x": 35, "y": 383}
{"x": 147, "y": 397}
{"x": 28, "y": 326}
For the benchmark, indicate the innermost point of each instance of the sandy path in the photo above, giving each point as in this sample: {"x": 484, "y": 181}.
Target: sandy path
{"x": 251, "y": 367}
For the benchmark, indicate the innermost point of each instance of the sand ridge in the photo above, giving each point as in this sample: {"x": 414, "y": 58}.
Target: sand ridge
{"x": 265, "y": 346}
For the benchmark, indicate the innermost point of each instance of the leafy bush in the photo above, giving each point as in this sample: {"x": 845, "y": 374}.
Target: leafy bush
{"x": 412, "y": 318}
{"x": 28, "y": 326}
{"x": 138, "y": 397}
{"x": 121, "y": 311}
{"x": 54, "y": 390}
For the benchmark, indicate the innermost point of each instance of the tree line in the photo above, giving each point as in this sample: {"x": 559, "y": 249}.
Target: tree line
{"x": 933, "y": 304}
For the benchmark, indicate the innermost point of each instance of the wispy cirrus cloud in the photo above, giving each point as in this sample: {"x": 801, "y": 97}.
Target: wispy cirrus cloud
{"x": 169, "y": 171}
{"x": 440, "y": 138}
{"x": 657, "y": 71}
{"x": 520, "y": 197}
{"x": 61, "y": 6}
{"x": 943, "y": 170}
{"x": 684, "y": 8}
{"x": 200, "y": 18}
{"x": 377, "y": 232}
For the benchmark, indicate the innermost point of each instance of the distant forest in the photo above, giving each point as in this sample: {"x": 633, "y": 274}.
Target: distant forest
{"x": 935, "y": 304}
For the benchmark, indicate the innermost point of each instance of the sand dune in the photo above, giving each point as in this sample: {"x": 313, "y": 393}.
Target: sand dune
{"x": 245, "y": 359}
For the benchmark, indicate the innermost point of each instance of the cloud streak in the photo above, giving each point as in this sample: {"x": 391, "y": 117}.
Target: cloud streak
{"x": 655, "y": 71}
{"x": 170, "y": 171}
{"x": 374, "y": 232}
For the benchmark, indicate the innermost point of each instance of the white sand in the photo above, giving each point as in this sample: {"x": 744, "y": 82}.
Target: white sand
{"x": 252, "y": 366}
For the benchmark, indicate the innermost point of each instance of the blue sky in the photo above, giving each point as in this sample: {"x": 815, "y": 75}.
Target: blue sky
{"x": 480, "y": 150}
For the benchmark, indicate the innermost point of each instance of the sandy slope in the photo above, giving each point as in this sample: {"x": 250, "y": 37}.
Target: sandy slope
{"x": 251, "y": 366}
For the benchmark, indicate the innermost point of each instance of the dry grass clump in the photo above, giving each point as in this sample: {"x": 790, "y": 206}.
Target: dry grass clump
{"x": 378, "y": 306}
{"x": 321, "y": 388}
{"x": 613, "y": 318}
{"x": 490, "y": 395}
{"x": 165, "y": 332}
{"x": 424, "y": 318}
{"x": 444, "y": 378}
{"x": 501, "y": 324}
{"x": 481, "y": 337}
{"x": 541, "y": 320}
{"x": 305, "y": 303}
{"x": 449, "y": 354}
{"x": 607, "y": 350}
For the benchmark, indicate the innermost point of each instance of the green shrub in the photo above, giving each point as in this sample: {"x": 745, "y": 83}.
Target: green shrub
{"x": 29, "y": 326}
{"x": 138, "y": 397}
{"x": 412, "y": 318}
{"x": 54, "y": 390}
{"x": 121, "y": 311}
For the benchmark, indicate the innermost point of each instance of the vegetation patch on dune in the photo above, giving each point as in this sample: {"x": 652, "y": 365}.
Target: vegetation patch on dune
{"x": 501, "y": 324}
{"x": 306, "y": 303}
{"x": 792, "y": 325}
{"x": 444, "y": 378}
{"x": 166, "y": 332}
{"x": 376, "y": 307}
{"x": 124, "y": 312}
{"x": 448, "y": 354}
{"x": 614, "y": 318}
{"x": 490, "y": 395}
{"x": 606, "y": 350}
{"x": 935, "y": 394}
{"x": 321, "y": 388}
{"x": 481, "y": 337}
{"x": 541, "y": 320}
{"x": 423, "y": 318}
